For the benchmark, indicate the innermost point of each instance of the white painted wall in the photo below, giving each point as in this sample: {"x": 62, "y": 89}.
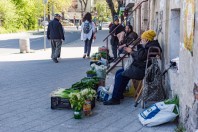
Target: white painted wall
{"x": 174, "y": 33}
{"x": 171, "y": 37}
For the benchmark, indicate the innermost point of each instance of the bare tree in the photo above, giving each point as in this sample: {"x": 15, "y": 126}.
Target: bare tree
{"x": 111, "y": 4}
{"x": 83, "y": 3}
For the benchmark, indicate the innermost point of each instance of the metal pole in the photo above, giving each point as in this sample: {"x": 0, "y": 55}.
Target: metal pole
{"x": 44, "y": 29}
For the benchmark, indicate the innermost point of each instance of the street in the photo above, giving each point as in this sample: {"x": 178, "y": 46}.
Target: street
{"x": 10, "y": 44}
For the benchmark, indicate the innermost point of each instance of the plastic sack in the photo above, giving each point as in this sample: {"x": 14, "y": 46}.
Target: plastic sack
{"x": 159, "y": 113}
{"x": 103, "y": 93}
{"x": 128, "y": 63}
{"x": 130, "y": 90}
{"x": 100, "y": 70}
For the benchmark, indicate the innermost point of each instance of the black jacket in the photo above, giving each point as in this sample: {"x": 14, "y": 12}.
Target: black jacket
{"x": 137, "y": 68}
{"x": 129, "y": 37}
{"x": 118, "y": 30}
{"x": 55, "y": 30}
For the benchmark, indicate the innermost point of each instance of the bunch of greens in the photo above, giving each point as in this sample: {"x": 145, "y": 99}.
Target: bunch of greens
{"x": 64, "y": 93}
{"x": 88, "y": 94}
{"x": 91, "y": 72}
{"x": 77, "y": 101}
{"x": 86, "y": 83}
{"x": 67, "y": 92}
{"x": 103, "y": 55}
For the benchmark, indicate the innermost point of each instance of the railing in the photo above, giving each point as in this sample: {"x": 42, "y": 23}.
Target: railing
{"x": 107, "y": 37}
{"x": 134, "y": 43}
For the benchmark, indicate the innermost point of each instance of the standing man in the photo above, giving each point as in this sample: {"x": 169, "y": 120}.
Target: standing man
{"x": 114, "y": 39}
{"x": 55, "y": 33}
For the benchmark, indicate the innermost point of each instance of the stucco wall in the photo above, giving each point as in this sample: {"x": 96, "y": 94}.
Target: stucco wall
{"x": 179, "y": 82}
{"x": 182, "y": 83}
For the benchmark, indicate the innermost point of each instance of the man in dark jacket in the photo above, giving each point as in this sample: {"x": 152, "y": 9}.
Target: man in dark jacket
{"x": 114, "y": 38}
{"x": 137, "y": 68}
{"x": 55, "y": 33}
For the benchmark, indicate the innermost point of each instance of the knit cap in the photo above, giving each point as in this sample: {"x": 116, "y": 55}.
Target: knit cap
{"x": 149, "y": 35}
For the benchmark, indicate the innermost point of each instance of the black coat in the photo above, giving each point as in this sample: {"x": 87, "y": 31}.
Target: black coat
{"x": 118, "y": 30}
{"x": 55, "y": 30}
{"x": 129, "y": 37}
{"x": 137, "y": 68}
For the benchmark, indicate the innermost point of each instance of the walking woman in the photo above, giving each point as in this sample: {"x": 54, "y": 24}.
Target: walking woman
{"x": 87, "y": 33}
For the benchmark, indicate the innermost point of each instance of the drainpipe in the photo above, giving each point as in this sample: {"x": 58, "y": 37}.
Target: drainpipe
{"x": 140, "y": 19}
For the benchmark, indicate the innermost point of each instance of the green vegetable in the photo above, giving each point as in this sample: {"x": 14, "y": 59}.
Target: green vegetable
{"x": 91, "y": 72}
{"x": 175, "y": 101}
{"x": 66, "y": 92}
{"x": 103, "y": 55}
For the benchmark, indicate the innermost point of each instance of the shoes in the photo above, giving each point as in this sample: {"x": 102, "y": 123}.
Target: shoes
{"x": 112, "y": 102}
{"x": 88, "y": 57}
{"x": 55, "y": 60}
{"x": 84, "y": 56}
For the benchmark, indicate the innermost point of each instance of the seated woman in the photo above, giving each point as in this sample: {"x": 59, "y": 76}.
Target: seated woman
{"x": 137, "y": 68}
{"x": 128, "y": 36}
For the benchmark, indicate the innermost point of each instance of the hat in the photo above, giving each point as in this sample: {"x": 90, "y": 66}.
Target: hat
{"x": 149, "y": 35}
{"x": 57, "y": 15}
{"x": 115, "y": 18}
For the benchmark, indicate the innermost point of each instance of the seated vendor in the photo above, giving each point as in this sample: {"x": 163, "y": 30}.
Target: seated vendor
{"x": 128, "y": 36}
{"x": 136, "y": 70}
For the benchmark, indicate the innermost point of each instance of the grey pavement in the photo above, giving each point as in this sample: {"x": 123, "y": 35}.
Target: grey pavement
{"x": 26, "y": 81}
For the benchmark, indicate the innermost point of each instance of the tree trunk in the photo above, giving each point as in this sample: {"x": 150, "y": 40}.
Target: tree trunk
{"x": 48, "y": 12}
{"x": 81, "y": 11}
{"x": 112, "y": 8}
{"x": 119, "y": 5}
{"x": 63, "y": 15}
{"x": 85, "y": 4}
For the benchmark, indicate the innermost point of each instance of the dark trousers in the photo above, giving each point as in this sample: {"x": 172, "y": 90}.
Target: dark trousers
{"x": 56, "y": 48}
{"x": 119, "y": 85}
{"x": 114, "y": 47}
{"x": 87, "y": 47}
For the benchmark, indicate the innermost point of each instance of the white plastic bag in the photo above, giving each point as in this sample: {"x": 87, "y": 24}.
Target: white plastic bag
{"x": 157, "y": 114}
{"x": 100, "y": 70}
{"x": 103, "y": 93}
{"x": 128, "y": 63}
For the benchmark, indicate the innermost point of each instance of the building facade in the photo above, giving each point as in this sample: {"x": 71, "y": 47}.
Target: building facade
{"x": 75, "y": 11}
{"x": 176, "y": 25}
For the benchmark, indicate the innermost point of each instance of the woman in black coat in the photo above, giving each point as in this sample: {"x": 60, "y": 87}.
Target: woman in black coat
{"x": 137, "y": 68}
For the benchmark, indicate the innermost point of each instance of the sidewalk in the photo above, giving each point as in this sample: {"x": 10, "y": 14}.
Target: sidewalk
{"x": 27, "y": 81}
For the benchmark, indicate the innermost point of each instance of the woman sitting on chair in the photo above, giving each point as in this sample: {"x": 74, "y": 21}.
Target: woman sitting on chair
{"x": 136, "y": 70}
{"x": 126, "y": 37}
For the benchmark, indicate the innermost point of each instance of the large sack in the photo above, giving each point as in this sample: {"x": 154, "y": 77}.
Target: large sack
{"x": 159, "y": 113}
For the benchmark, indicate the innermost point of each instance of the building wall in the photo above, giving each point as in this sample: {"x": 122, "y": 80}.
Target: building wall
{"x": 166, "y": 17}
{"x": 77, "y": 12}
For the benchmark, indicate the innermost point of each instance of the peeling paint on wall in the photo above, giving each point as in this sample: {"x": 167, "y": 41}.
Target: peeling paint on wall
{"x": 189, "y": 14}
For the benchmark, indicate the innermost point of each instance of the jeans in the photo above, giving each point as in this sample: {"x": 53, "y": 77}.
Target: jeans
{"x": 56, "y": 48}
{"x": 119, "y": 85}
{"x": 114, "y": 46}
{"x": 87, "y": 47}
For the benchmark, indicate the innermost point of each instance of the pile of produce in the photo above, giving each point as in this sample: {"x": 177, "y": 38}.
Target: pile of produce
{"x": 77, "y": 87}
{"x": 64, "y": 93}
{"x": 97, "y": 56}
{"x": 86, "y": 83}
